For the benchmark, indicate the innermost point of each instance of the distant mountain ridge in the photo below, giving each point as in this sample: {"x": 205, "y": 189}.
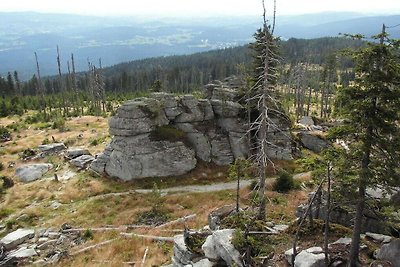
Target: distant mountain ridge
{"x": 122, "y": 39}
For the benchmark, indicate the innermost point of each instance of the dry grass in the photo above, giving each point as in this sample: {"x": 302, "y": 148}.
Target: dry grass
{"x": 80, "y": 209}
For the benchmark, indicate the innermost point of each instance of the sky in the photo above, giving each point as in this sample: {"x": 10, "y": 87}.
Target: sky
{"x": 198, "y": 8}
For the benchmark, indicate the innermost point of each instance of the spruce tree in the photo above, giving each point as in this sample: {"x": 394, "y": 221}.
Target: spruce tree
{"x": 371, "y": 108}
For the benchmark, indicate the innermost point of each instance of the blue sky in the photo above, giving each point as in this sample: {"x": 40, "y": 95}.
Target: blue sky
{"x": 198, "y": 8}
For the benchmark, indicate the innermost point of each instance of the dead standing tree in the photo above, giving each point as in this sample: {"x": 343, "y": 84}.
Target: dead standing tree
{"x": 262, "y": 98}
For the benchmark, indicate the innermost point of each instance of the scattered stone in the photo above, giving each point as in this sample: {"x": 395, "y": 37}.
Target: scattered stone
{"x": 344, "y": 241}
{"x": 289, "y": 254}
{"x": 52, "y": 148}
{"x": 313, "y": 142}
{"x": 216, "y": 216}
{"x": 379, "y": 237}
{"x": 182, "y": 254}
{"x": 390, "y": 252}
{"x": 209, "y": 249}
{"x": 225, "y": 249}
{"x": 307, "y": 121}
{"x": 75, "y": 152}
{"x": 16, "y": 238}
{"x": 311, "y": 257}
{"x": 280, "y": 227}
{"x": 68, "y": 174}
{"x": 23, "y": 252}
{"x": 82, "y": 161}
{"x": 47, "y": 244}
{"x": 29, "y": 173}
{"x": 203, "y": 263}
{"x": 55, "y": 204}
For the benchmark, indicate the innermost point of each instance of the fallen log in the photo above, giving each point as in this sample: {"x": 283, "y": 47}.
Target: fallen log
{"x": 180, "y": 220}
{"x": 93, "y": 246}
{"x": 151, "y": 237}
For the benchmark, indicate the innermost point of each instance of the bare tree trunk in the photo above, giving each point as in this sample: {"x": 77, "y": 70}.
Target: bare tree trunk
{"x": 328, "y": 211}
{"x": 40, "y": 87}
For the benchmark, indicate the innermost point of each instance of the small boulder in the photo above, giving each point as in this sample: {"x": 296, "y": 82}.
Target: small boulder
{"x": 311, "y": 257}
{"x": 209, "y": 249}
{"x": 379, "y": 237}
{"x": 182, "y": 254}
{"x": 23, "y": 253}
{"x": 215, "y": 216}
{"x": 51, "y": 148}
{"x": 307, "y": 121}
{"x": 75, "y": 152}
{"x": 32, "y": 172}
{"x": 390, "y": 252}
{"x": 16, "y": 238}
{"x": 313, "y": 142}
{"x": 82, "y": 161}
{"x": 225, "y": 249}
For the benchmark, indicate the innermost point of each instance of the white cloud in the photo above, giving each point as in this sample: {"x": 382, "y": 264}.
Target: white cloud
{"x": 197, "y": 7}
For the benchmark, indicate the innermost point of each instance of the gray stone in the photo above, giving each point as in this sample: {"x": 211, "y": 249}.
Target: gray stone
{"x": 181, "y": 253}
{"x": 307, "y": 121}
{"x": 280, "y": 227}
{"x": 344, "y": 241}
{"x": 52, "y": 148}
{"x": 225, "y": 249}
{"x": 209, "y": 249}
{"x": 192, "y": 110}
{"x": 224, "y": 94}
{"x": 201, "y": 145}
{"x": 23, "y": 253}
{"x": 215, "y": 216}
{"x": 55, "y": 205}
{"x": 313, "y": 142}
{"x": 206, "y": 108}
{"x": 390, "y": 252}
{"x": 47, "y": 244}
{"x": 379, "y": 237}
{"x": 29, "y": 173}
{"x": 221, "y": 153}
{"x": 82, "y": 161}
{"x": 312, "y": 257}
{"x": 213, "y": 129}
{"x": 289, "y": 254}
{"x": 17, "y": 237}
{"x": 226, "y": 109}
{"x": 139, "y": 157}
{"x": 75, "y": 152}
{"x": 138, "y": 117}
{"x": 239, "y": 145}
{"x": 203, "y": 263}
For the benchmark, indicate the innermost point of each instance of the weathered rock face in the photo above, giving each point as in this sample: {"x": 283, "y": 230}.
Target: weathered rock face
{"x": 165, "y": 135}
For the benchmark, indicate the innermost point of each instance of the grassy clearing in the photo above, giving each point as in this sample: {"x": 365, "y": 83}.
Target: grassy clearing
{"x": 83, "y": 206}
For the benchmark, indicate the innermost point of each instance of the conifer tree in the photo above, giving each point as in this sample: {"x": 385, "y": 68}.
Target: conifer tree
{"x": 371, "y": 107}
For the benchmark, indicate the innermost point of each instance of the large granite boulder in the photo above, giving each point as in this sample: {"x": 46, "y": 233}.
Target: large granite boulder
{"x": 211, "y": 130}
{"x": 139, "y": 157}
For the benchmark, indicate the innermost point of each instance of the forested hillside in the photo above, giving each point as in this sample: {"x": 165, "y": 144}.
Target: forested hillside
{"x": 181, "y": 74}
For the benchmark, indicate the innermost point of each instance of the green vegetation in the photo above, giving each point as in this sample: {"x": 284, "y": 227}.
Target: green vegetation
{"x": 284, "y": 182}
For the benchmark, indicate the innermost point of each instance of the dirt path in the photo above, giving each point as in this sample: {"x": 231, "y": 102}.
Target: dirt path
{"x": 199, "y": 188}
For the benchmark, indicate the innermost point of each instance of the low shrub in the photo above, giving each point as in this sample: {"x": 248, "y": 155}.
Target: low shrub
{"x": 284, "y": 182}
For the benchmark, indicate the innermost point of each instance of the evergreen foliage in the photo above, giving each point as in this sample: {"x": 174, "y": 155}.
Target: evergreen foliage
{"x": 372, "y": 131}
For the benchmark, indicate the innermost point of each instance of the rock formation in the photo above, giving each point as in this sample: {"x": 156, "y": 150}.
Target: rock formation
{"x": 165, "y": 135}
